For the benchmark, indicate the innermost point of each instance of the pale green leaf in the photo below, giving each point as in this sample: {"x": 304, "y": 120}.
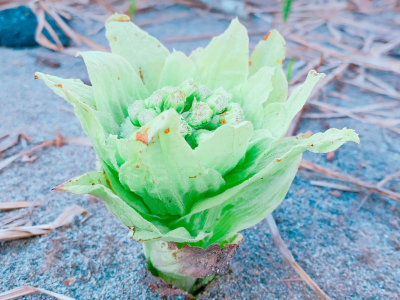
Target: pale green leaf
{"x": 116, "y": 86}
{"x": 223, "y": 149}
{"x": 195, "y": 55}
{"x": 76, "y": 86}
{"x": 224, "y": 62}
{"x": 279, "y": 87}
{"x": 178, "y": 68}
{"x": 163, "y": 169}
{"x": 252, "y": 95}
{"x": 144, "y": 53}
{"x": 270, "y": 52}
{"x": 279, "y": 115}
{"x": 272, "y": 160}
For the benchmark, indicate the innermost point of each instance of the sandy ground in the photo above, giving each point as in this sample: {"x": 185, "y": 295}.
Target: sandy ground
{"x": 351, "y": 255}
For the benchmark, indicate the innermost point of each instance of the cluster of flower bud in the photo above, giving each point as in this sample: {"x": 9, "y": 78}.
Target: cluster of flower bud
{"x": 201, "y": 110}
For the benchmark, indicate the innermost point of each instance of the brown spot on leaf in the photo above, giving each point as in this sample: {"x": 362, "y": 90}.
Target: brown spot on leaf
{"x": 123, "y": 19}
{"x": 222, "y": 121}
{"x": 283, "y": 61}
{"x": 250, "y": 63}
{"x": 115, "y": 38}
{"x": 36, "y": 77}
{"x": 141, "y": 75}
{"x": 313, "y": 72}
{"x": 166, "y": 131}
{"x": 278, "y": 160}
{"x": 137, "y": 166}
{"x": 142, "y": 136}
{"x": 192, "y": 176}
{"x": 159, "y": 46}
{"x": 153, "y": 181}
{"x": 266, "y": 36}
{"x": 59, "y": 85}
{"x": 119, "y": 78}
{"x": 108, "y": 182}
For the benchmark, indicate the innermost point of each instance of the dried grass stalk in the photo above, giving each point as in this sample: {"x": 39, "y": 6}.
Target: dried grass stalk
{"x": 21, "y": 232}
{"x": 28, "y": 290}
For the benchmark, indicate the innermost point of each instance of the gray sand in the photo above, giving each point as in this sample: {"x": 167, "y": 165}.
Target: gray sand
{"x": 350, "y": 255}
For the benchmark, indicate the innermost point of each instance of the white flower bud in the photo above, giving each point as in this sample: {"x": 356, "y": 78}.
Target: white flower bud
{"x": 218, "y": 100}
{"x": 175, "y": 98}
{"x": 200, "y": 114}
{"x": 156, "y": 100}
{"x": 146, "y": 116}
{"x": 189, "y": 87}
{"x": 184, "y": 128}
{"x": 202, "y": 92}
{"x": 134, "y": 111}
{"x": 233, "y": 115}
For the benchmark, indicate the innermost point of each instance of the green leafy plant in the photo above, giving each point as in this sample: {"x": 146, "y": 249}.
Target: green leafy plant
{"x": 190, "y": 149}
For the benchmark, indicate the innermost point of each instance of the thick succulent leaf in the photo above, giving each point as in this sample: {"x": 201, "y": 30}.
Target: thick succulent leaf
{"x": 278, "y": 116}
{"x": 116, "y": 86}
{"x": 252, "y": 95}
{"x": 270, "y": 51}
{"x": 224, "y": 62}
{"x": 76, "y": 86}
{"x": 224, "y": 148}
{"x": 163, "y": 169}
{"x": 144, "y": 53}
{"x": 205, "y": 213}
{"x": 178, "y": 67}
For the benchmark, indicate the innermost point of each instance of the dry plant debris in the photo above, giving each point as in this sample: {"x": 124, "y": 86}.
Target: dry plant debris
{"x": 289, "y": 259}
{"x": 20, "y": 232}
{"x": 28, "y": 290}
{"x": 59, "y": 141}
{"x": 18, "y": 204}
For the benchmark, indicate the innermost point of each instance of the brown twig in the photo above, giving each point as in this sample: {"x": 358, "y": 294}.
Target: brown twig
{"x": 18, "y": 204}
{"x": 288, "y": 257}
{"x": 369, "y": 186}
{"x": 21, "y": 232}
{"x": 28, "y": 290}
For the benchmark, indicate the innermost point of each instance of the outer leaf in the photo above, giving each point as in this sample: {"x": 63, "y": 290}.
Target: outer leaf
{"x": 76, "y": 86}
{"x": 252, "y": 94}
{"x": 178, "y": 67}
{"x": 115, "y": 84}
{"x": 224, "y": 62}
{"x": 144, "y": 53}
{"x": 242, "y": 211}
{"x": 94, "y": 183}
{"x": 163, "y": 169}
{"x": 225, "y": 147}
{"x": 270, "y": 51}
{"x": 206, "y": 212}
{"x": 278, "y": 116}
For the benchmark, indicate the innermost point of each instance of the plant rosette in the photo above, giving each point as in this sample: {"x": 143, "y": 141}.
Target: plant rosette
{"x": 191, "y": 150}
